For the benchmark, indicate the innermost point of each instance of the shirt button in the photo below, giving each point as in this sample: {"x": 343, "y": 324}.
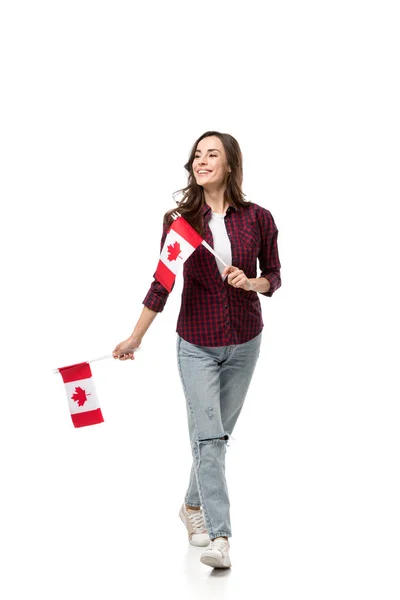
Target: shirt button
{"x": 226, "y": 306}
{"x": 227, "y": 322}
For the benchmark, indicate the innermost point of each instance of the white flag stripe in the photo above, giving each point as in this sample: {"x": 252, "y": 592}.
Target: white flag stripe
{"x": 186, "y": 250}
{"x": 92, "y": 401}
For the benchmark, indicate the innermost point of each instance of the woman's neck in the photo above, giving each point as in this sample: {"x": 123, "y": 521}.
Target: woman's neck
{"x": 216, "y": 200}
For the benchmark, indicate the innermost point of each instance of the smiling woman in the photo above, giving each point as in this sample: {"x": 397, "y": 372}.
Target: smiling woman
{"x": 219, "y": 325}
{"x": 215, "y": 164}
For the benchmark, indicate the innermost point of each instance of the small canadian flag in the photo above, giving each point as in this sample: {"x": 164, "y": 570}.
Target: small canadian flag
{"x": 81, "y": 393}
{"x": 181, "y": 241}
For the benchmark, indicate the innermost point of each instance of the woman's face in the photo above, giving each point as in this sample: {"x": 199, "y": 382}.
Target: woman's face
{"x": 210, "y": 166}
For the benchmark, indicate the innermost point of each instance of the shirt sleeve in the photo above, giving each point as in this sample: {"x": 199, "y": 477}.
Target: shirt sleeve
{"x": 268, "y": 256}
{"x": 157, "y": 295}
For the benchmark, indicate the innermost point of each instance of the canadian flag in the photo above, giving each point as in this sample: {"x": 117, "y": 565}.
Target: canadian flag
{"x": 81, "y": 393}
{"x": 181, "y": 241}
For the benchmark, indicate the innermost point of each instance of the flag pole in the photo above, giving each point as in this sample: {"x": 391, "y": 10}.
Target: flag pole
{"x": 213, "y": 252}
{"x": 100, "y": 358}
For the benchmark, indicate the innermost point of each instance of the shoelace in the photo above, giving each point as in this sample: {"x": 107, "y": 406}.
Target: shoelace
{"x": 196, "y": 519}
{"x": 219, "y": 544}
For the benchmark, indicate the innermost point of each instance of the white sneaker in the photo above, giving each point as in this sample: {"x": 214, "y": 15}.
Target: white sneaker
{"x": 194, "y": 522}
{"x": 217, "y": 554}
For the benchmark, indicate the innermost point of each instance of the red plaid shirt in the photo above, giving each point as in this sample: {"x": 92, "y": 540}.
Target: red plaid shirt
{"x": 213, "y": 313}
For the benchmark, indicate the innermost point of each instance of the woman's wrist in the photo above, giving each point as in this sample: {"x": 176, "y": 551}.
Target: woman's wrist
{"x": 259, "y": 284}
{"x": 135, "y": 339}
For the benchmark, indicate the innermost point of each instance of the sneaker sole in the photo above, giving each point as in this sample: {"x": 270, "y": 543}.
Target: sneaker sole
{"x": 210, "y": 561}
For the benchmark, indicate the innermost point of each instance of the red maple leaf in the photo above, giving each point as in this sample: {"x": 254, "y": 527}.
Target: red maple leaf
{"x": 80, "y": 396}
{"x": 174, "y": 251}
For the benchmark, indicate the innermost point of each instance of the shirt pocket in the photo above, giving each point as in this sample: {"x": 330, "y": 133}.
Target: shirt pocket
{"x": 247, "y": 250}
{"x": 249, "y": 236}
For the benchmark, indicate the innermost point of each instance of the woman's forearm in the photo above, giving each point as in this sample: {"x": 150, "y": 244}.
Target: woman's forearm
{"x": 145, "y": 320}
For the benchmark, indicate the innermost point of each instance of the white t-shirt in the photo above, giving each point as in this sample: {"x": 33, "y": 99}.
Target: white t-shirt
{"x": 222, "y": 244}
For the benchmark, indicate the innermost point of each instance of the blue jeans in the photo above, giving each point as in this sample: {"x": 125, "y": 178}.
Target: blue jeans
{"x": 215, "y": 381}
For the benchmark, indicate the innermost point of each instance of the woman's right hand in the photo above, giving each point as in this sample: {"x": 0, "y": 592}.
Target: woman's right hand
{"x": 124, "y": 350}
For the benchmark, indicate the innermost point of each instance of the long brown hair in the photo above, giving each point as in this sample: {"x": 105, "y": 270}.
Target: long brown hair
{"x": 191, "y": 204}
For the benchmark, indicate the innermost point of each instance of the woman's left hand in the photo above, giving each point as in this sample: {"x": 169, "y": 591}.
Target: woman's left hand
{"x": 237, "y": 279}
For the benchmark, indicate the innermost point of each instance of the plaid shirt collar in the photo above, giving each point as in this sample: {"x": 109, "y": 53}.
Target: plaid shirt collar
{"x": 207, "y": 211}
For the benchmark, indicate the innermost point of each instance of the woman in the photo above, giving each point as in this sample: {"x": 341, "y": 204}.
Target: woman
{"x": 219, "y": 325}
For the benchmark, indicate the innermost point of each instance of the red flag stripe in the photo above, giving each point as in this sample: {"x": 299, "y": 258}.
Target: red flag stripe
{"x": 186, "y": 231}
{"x": 164, "y": 276}
{"x": 75, "y": 372}
{"x": 90, "y": 417}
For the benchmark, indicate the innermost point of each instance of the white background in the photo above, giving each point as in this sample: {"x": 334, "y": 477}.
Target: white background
{"x": 100, "y": 105}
